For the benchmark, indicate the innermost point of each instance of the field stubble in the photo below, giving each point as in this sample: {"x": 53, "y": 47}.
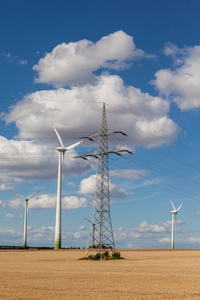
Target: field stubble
{"x": 58, "y": 274}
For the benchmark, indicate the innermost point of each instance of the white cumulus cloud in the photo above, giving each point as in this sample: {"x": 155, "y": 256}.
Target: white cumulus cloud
{"x": 141, "y": 116}
{"x": 80, "y": 234}
{"x": 181, "y": 83}
{"x": 75, "y": 63}
{"x": 10, "y": 216}
{"x": 165, "y": 241}
{"x": 4, "y": 187}
{"x": 2, "y": 204}
{"x": 9, "y": 234}
{"x": 145, "y": 227}
{"x": 145, "y": 230}
{"x": 45, "y": 201}
{"x": 193, "y": 240}
{"x": 82, "y": 227}
{"x": 74, "y": 202}
{"x": 135, "y": 235}
{"x": 120, "y": 228}
{"x": 22, "y": 62}
{"x": 41, "y": 233}
{"x": 31, "y": 160}
{"x": 87, "y": 187}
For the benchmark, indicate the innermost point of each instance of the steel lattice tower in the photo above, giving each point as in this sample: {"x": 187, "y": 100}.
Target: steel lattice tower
{"x": 101, "y": 235}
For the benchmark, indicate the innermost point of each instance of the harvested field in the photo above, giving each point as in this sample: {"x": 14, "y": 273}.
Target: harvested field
{"x": 58, "y": 274}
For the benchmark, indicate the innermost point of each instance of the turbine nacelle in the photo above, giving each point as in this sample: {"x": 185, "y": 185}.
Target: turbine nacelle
{"x": 174, "y": 212}
{"x": 61, "y": 149}
{"x": 26, "y": 199}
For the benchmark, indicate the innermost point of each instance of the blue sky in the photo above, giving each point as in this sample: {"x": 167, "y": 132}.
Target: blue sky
{"x": 58, "y": 61}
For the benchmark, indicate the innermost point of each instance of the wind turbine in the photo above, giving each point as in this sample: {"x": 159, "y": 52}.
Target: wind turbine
{"x": 61, "y": 151}
{"x": 174, "y": 213}
{"x": 93, "y": 224}
{"x": 25, "y": 216}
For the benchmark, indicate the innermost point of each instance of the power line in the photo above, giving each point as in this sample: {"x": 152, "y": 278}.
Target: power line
{"x": 165, "y": 171}
{"x": 165, "y": 187}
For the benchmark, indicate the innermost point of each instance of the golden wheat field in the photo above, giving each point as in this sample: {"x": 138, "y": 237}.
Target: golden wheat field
{"x": 58, "y": 274}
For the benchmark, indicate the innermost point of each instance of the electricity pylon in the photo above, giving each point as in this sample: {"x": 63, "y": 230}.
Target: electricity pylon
{"x": 103, "y": 238}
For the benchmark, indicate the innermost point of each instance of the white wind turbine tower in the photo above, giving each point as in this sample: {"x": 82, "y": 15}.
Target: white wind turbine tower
{"x": 61, "y": 151}
{"x": 25, "y": 216}
{"x": 174, "y": 221}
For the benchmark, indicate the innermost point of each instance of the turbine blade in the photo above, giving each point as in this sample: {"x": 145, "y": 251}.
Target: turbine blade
{"x": 74, "y": 145}
{"x": 33, "y": 195}
{"x": 20, "y": 196}
{"x": 179, "y": 207}
{"x": 173, "y": 205}
{"x": 58, "y": 136}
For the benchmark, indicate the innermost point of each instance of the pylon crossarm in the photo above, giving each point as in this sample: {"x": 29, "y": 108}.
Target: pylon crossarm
{"x": 90, "y": 137}
{"x": 99, "y": 134}
{"x": 124, "y": 150}
{"x": 92, "y": 155}
{"x": 81, "y": 157}
{"x": 109, "y": 132}
{"x": 86, "y": 155}
{"x": 113, "y": 152}
{"x": 96, "y": 155}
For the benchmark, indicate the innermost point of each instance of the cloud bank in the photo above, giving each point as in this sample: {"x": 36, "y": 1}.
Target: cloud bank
{"x": 24, "y": 160}
{"x": 77, "y": 111}
{"x": 145, "y": 230}
{"x": 45, "y": 201}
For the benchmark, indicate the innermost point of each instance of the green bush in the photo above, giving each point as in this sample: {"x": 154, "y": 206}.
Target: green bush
{"x": 90, "y": 256}
{"x": 96, "y": 256}
{"x": 116, "y": 255}
{"x": 105, "y": 255}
